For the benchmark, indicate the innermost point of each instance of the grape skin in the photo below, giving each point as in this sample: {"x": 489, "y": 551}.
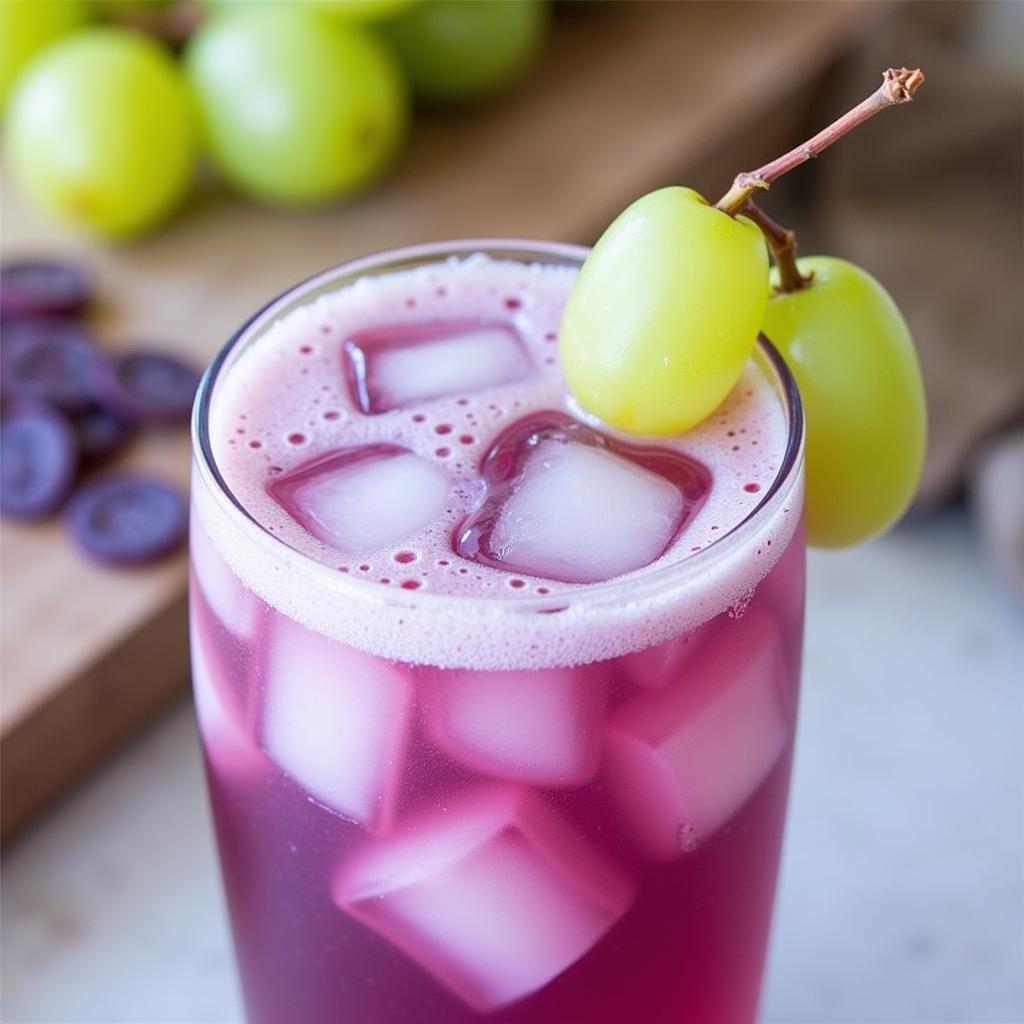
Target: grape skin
{"x": 27, "y": 28}
{"x": 853, "y": 358}
{"x": 298, "y": 109}
{"x": 665, "y": 313}
{"x": 365, "y": 10}
{"x": 347, "y": 10}
{"x": 454, "y": 51}
{"x": 101, "y": 132}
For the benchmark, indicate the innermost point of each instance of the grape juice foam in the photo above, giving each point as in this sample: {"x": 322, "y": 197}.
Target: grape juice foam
{"x": 497, "y": 703}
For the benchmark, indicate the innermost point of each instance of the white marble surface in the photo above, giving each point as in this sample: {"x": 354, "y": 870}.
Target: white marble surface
{"x": 902, "y": 898}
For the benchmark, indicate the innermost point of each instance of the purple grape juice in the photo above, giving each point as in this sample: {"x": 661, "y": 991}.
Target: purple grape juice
{"x": 497, "y": 703}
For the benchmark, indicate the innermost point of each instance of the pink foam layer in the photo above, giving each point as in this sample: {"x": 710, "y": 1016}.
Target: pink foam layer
{"x": 286, "y": 401}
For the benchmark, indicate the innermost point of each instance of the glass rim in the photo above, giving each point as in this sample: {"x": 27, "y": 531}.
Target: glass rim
{"x": 663, "y": 578}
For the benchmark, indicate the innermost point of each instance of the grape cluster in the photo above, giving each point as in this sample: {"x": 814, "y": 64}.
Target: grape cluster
{"x": 669, "y": 304}
{"x": 294, "y": 103}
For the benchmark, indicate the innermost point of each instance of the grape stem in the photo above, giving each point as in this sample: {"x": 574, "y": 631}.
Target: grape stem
{"x": 898, "y": 87}
{"x": 782, "y": 243}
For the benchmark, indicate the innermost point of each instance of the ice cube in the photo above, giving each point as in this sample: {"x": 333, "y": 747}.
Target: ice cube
{"x": 392, "y": 368}
{"x": 229, "y": 744}
{"x": 680, "y": 761}
{"x": 662, "y": 664}
{"x": 234, "y": 604}
{"x": 581, "y": 514}
{"x": 363, "y": 499}
{"x": 493, "y": 894}
{"x": 542, "y": 727}
{"x": 337, "y": 722}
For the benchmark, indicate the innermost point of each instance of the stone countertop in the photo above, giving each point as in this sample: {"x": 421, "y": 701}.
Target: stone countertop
{"x": 902, "y": 895}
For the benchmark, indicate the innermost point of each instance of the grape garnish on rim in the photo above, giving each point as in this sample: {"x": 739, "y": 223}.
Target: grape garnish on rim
{"x": 668, "y": 305}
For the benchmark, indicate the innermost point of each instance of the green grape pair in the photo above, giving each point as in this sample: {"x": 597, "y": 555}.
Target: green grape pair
{"x": 665, "y": 314}
{"x": 103, "y": 129}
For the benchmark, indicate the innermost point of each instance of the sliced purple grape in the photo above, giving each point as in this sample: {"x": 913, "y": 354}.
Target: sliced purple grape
{"x": 38, "y": 460}
{"x": 127, "y": 519}
{"x": 50, "y": 360}
{"x": 147, "y": 387}
{"x": 100, "y": 434}
{"x": 42, "y": 288}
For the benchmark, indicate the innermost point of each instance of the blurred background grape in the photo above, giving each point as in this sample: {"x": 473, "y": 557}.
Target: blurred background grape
{"x": 101, "y": 131}
{"x": 456, "y": 52}
{"x": 297, "y": 108}
{"x": 25, "y": 29}
{"x": 301, "y": 102}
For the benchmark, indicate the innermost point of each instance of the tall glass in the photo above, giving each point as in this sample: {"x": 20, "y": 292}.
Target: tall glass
{"x": 636, "y": 888}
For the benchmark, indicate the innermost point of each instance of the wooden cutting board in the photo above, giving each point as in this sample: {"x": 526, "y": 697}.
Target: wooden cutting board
{"x": 627, "y": 97}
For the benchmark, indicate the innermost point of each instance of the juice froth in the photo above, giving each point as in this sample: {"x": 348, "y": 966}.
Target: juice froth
{"x": 443, "y": 361}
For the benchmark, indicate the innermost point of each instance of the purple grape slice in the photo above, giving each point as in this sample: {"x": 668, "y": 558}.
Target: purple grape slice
{"x": 147, "y": 387}
{"x": 100, "y": 434}
{"x": 49, "y": 360}
{"x": 38, "y": 460}
{"x": 42, "y": 288}
{"x": 127, "y": 519}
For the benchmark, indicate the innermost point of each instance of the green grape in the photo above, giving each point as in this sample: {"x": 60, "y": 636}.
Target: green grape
{"x": 854, "y": 363}
{"x": 101, "y": 132}
{"x": 664, "y": 313}
{"x": 455, "y": 51}
{"x": 349, "y": 10}
{"x": 297, "y": 109}
{"x": 365, "y": 10}
{"x": 26, "y": 27}
{"x": 119, "y": 10}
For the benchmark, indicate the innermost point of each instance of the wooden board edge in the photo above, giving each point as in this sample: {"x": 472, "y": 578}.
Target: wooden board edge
{"x": 81, "y": 724}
